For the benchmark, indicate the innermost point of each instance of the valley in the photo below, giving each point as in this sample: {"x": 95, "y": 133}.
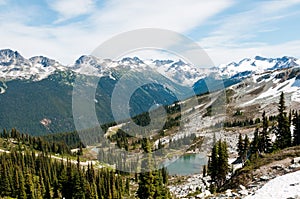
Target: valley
{"x": 229, "y": 101}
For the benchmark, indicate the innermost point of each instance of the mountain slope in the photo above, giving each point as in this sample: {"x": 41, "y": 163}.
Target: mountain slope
{"x": 36, "y": 93}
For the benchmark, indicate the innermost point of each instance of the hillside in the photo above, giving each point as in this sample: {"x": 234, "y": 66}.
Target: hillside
{"x": 30, "y": 86}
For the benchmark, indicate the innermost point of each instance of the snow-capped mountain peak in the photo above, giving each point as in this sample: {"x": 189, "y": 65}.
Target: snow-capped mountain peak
{"x": 44, "y": 61}
{"x": 134, "y": 60}
{"x": 256, "y": 65}
{"x": 15, "y": 66}
{"x": 9, "y": 57}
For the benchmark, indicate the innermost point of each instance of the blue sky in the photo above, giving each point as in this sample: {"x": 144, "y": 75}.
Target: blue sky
{"x": 228, "y": 30}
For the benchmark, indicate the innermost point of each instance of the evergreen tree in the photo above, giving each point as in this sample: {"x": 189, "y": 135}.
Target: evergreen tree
{"x": 22, "y": 190}
{"x": 204, "y": 170}
{"x": 246, "y": 147}
{"x": 223, "y": 167}
{"x": 214, "y": 162}
{"x": 29, "y": 186}
{"x": 240, "y": 146}
{"x": 283, "y": 134}
{"x": 151, "y": 183}
{"x": 296, "y": 123}
{"x": 265, "y": 141}
{"x": 219, "y": 167}
{"x": 254, "y": 147}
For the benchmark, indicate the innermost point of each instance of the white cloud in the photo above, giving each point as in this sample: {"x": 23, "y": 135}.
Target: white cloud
{"x": 226, "y": 55}
{"x": 230, "y": 42}
{"x": 66, "y": 43}
{"x": 71, "y": 8}
{"x": 236, "y": 30}
{"x": 235, "y": 37}
{"x": 176, "y": 15}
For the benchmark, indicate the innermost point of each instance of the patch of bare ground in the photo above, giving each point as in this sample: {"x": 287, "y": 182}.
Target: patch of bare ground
{"x": 257, "y": 91}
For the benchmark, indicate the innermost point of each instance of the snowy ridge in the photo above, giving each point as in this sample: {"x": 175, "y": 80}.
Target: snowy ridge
{"x": 256, "y": 65}
{"x": 14, "y": 66}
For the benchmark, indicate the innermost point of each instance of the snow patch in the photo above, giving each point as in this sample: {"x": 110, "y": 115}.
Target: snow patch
{"x": 286, "y": 186}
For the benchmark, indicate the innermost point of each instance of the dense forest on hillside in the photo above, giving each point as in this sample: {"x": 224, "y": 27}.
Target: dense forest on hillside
{"x": 28, "y": 169}
{"x": 30, "y": 175}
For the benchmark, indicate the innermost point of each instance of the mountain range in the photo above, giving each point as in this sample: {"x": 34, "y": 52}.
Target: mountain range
{"x": 36, "y": 93}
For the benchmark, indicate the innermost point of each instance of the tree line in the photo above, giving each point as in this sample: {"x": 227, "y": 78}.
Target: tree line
{"x": 36, "y": 143}
{"x": 218, "y": 167}
{"x": 29, "y": 175}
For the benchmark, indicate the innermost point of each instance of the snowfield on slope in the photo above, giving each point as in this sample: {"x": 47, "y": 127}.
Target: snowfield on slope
{"x": 286, "y": 186}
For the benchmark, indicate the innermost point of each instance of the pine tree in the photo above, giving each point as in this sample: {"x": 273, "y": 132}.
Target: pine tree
{"x": 146, "y": 179}
{"x": 204, "y": 170}
{"x": 283, "y": 134}
{"x": 223, "y": 166}
{"x": 5, "y": 189}
{"x": 254, "y": 147}
{"x": 214, "y": 162}
{"x": 246, "y": 147}
{"x": 151, "y": 183}
{"x": 265, "y": 141}
{"x": 240, "y": 146}
{"x": 29, "y": 186}
{"x": 219, "y": 167}
{"x": 296, "y": 123}
{"x": 47, "y": 194}
{"x": 22, "y": 190}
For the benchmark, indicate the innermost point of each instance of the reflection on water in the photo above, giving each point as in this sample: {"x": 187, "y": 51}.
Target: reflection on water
{"x": 187, "y": 164}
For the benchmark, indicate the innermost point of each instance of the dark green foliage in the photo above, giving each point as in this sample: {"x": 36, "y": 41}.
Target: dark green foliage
{"x": 26, "y": 103}
{"x": 121, "y": 138}
{"x": 283, "y": 134}
{"x": 37, "y": 143}
{"x": 38, "y": 176}
{"x": 238, "y": 113}
{"x": 71, "y": 139}
{"x": 243, "y": 147}
{"x": 218, "y": 166}
{"x": 240, "y": 123}
{"x": 296, "y": 123}
{"x": 265, "y": 141}
{"x": 204, "y": 171}
{"x": 246, "y": 147}
{"x": 152, "y": 183}
{"x": 185, "y": 140}
{"x": 240, "y": 146}
{"x": 254, "y": 147}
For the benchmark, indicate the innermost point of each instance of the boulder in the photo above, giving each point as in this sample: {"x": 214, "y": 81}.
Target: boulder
{"x": 228, "y": 193}
{"x": 264, "y": 178}
{"x": 296, "y": 160}
{"x": 242, "y": 187}
{"x": 243, "y": 192}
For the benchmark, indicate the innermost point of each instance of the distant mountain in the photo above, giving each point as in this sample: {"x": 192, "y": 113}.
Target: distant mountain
{"x": 256, "y": 65}
{"x": 14, "y": 66}
{"x": 36, "y": 93}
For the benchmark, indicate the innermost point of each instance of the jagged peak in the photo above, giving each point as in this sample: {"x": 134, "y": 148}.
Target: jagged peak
{"x": 45, "y": 61}
{"x": 8, "y": 53}
{"x": 132, "y": 60}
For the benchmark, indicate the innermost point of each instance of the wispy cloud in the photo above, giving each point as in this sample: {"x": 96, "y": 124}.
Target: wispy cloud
{"x": 176, "y": 15}
{"x": 237, "y": 29}
{"x": 226, "y": 55}
{"x": 68, "y": 41}
{"x": 238, "y": 35}
{"x": 77, "y": 27}
{"x": 71, "y": 8}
